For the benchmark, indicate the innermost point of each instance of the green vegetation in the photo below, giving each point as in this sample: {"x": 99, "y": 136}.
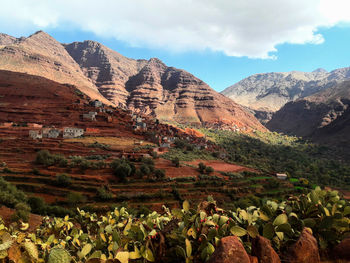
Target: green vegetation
{"x": 99, "y": 145}
{"x": 10, "y": 196}
{"x": 44, "y": 157}
{"x": 122, "y": 168}
{"x": 187, "y": 234}
{"x": 63, "y": 180}
{"x": 186, "y": 155}
{"x": 272, "y": 152}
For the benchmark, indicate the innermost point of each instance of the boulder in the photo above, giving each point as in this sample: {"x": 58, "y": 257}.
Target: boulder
{"x": 253, "y": 259}
{"x": 229, "y": 250}
{"x": 305, "y": 250}
{"x": 261, "y": 248}
{"x": 342, "y": 250}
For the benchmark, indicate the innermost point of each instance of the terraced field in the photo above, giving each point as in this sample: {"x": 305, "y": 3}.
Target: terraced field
{"x": 180, "y": 183}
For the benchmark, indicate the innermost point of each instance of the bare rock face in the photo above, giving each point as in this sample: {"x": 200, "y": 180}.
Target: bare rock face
{"x": 6, "y": 39}
{"x": 305, "y": 250}
{"x": 262, "y": 249}
{"x": 108, "y": 69}
{"x": 153, "y": 88}
{"x": 229, "y": 250}
{"x": 41, "y": 55}
{"x": 173, "y": 94}
{"x": 149, "y": 87}
{"x": 266, "y": 93}
{"x": 342, "y": 250}
{"x": 270, "y": 91}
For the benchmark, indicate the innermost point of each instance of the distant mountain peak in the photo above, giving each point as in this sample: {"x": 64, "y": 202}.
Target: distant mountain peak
{"x": 320, "y": 70}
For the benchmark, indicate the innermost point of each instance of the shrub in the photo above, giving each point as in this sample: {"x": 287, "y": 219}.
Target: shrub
{"x": 10, "y": 195}
{"x": 201, "y": 167}
{"x": 176, "y": 162}
{"x": 44, "y": 157}
{"x": 103, "y": 194}
{"x": 209, "y": 169}
{"x": 22, "y": 212}
{"x": 160, "y": 174}
{"x": 37, "y": 205}
{"x": 122, "y": 168}
{"x": 75, "y": 198}
{"x": 145, "y": 169}
{"x": 147, "y": 161}
{"x": 63, "y": 180}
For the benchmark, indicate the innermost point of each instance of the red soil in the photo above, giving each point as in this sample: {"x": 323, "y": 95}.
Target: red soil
{"x": 221, "y": 166}
{"x": 34, "y": 220}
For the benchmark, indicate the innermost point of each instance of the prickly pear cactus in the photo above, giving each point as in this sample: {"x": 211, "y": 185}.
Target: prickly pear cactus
{"x": 59, "y": 255}
{"x": 31, "y": 249}
{"x": 6, "y": 241}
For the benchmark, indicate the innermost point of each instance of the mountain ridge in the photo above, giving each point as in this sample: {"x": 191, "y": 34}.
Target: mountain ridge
{"x": 147, "y": 86}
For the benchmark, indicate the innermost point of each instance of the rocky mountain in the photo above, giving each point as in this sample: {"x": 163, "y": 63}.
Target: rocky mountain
{"x": 153, "y": 88}
{"x": 323, "y": 116}
{"x": 108, "y": 69}
{"x": 147, "y": 86}
{"x": 40, "y": 54}
{"x": 267, "y": 92}
{"x": 6, "y": 39}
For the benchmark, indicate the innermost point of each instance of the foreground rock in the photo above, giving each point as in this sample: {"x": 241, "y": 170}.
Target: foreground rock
{"x": 305, "y": 250}
{"x": 261, "y": 248}
{"x": 342, "y": 250}
{"x": 229, "y": 250}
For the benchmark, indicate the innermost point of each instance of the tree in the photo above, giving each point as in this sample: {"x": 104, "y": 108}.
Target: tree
{"x": 74, "y": 198}
{"x": 209, "y": 169}
{"x": 201, "y": 167}
{"x": 22, "y": 212}
{"x": 160, "y": 174}
{"x": 121, "y": 169}
{"x": 63, "y": 180}
{"x": 176, "y": 161}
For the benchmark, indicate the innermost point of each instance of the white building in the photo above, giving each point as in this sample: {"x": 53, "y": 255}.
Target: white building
{"x": 35, "y": 134}
{"x": 72, "y": 132}
{"x": 50, "y": 133}
{"x": 281, "y": 176}
{"x": 90, "y": 116}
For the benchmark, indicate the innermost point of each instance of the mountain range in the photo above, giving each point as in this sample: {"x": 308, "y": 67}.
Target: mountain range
{"x": 147, "y": 86}
{"x": 323, "y": 116}
{"x": 266, "y": 93}
{"x": 313, "y": 105}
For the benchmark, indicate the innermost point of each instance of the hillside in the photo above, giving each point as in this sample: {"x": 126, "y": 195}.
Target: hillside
{"x": 267, "y": 92}
{"x": 323, "y": 116}
{"x": 153, "y": 88}
{"x": 108, "y": 69}
{"x": 147, "y": 86}
{"x": 41, "y": 55}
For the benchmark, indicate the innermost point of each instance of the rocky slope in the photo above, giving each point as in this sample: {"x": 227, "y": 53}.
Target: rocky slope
{"x": 145, "y": 86}
{"x": 6, "y": 39}
{"x": 153, "y": 88}
{"x": 267, "y": 92}
{"x": 323, "y": 116}
{"x": 108, "y": 69}
{"x": 40, "y": 54}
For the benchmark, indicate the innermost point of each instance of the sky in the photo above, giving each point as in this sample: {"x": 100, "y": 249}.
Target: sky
{"x": 219, "y": 41}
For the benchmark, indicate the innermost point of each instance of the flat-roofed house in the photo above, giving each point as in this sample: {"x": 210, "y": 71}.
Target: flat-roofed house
{"x": 281, "y": 176}
{"x": 72, "y": 132}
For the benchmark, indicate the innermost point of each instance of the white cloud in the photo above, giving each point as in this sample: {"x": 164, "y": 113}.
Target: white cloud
{"x": 250, "y": 28}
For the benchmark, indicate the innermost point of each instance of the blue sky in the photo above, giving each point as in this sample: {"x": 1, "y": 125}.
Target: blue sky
{"x": 221, "y": 71}
{"x": 220, "y": 41}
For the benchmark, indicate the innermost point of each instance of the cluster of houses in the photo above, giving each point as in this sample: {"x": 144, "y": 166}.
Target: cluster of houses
{"x": 67, "y": 132}
{"x": 139, "y": 123}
